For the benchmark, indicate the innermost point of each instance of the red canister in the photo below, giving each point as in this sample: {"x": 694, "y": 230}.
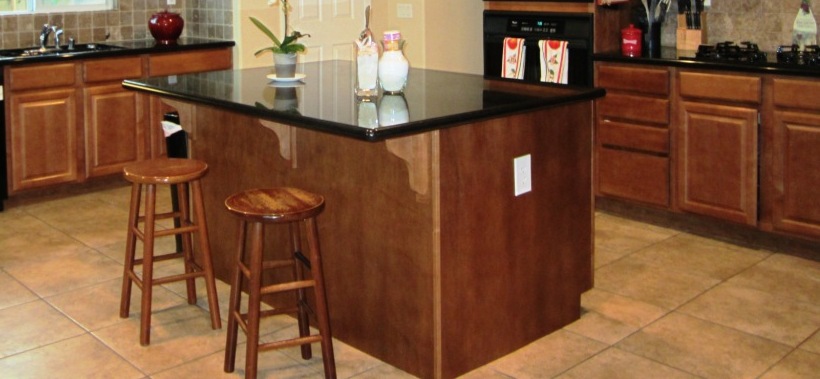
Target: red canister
{"x": 631, "y": 41}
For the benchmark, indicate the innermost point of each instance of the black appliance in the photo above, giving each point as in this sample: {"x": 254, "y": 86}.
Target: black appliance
{"x": 575, "y": 28}
{"x": 746, "y": 52}
{"x": 792, "y": 55}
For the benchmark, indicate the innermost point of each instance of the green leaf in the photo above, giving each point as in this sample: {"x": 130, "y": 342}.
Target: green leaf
{"x": 267, "y": 31}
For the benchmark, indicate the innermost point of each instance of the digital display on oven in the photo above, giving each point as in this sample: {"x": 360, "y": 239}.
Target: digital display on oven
{"x": 535, "y": 25}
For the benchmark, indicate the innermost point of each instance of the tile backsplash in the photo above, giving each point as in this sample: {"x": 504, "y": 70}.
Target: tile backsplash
{"x": 203, "y": 18}
{"x": 766, "y": 22}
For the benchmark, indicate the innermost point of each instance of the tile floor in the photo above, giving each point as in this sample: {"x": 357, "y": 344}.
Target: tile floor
{"x": 666, "y": 304}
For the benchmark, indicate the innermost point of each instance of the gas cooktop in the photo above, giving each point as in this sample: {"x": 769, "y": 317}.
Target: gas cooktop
{"x": 749, "y": 53}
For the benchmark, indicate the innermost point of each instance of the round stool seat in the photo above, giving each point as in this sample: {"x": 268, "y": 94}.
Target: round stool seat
{"x": 271, "y": 205}
{"x": 165, "y": 171}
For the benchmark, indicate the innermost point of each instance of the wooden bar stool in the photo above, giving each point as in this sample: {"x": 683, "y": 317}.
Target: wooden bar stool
{"x": 294, "y": 207}
{"x": 149, "y": 173}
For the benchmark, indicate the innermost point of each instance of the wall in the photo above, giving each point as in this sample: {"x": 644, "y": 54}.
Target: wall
{"x": 203, "y": 18}
{"x": 765, "y": 22}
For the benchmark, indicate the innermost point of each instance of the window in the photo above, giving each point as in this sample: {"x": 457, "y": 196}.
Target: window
{"x": 45, "y": 6}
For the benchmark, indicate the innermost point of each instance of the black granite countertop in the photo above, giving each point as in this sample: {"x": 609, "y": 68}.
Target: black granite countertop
{"x": 118, "y": 48}
{"x": 324, "y": 99}
{"x": 672, "y": 57}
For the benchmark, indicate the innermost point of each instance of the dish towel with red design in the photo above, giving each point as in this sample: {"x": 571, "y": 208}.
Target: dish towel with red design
{"x": 554, "y": 58}
{"x": 513, "y": 65}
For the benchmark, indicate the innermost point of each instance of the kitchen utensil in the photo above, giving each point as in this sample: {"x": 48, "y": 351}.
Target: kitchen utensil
{"x": 366, "y": 36}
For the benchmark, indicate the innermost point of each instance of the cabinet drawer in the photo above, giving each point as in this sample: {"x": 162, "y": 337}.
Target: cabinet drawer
{"x": 643, "y": 80}
{"x": 637, "y": 137}
{"x": 112, "y": 69}
{"x": 634, "y": 176}
{"x": 187, "y": 62}
{"x": 41, "y": 76}
{"x": 801, "y": 94}
{"x": 733, "y": 88}
{"x": 635, "y": 108}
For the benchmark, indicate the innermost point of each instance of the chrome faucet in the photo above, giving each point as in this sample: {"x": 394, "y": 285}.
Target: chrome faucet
{"x": 44, "y": 36}
{"x": 57, "y": 34}
{"x": 44, "y": 33}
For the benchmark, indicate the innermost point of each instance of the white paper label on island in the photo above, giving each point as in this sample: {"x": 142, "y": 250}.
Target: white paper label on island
{"x": 172, "y": 79}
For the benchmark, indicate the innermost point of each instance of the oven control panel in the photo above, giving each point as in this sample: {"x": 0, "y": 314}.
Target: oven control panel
{"x": 535, "y": 25}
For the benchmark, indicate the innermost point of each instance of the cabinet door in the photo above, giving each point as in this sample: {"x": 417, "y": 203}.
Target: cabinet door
{"x": 717, "y": 161}
{"x": 796, "y": 172}
{"x": 43, "y": 138}
{"x": 114, "y": 128}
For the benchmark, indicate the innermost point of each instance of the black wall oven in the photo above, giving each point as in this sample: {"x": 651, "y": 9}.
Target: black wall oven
{"x": 575, "y": 28}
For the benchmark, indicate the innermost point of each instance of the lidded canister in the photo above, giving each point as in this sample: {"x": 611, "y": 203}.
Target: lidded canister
{"x": 631, "y": 38}
{"x": 393, "y": 66}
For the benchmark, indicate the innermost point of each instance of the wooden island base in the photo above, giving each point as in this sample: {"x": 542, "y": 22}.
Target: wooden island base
{"x": 432, "y": 264}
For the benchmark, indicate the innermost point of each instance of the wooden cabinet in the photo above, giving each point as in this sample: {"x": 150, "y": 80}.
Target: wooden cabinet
{"x": 794, "y": 187}
{"x": 70, "y": 121}
{"x": 632, "y": 134}
{"x": 43, "y": 126}
{"x": 717, "y": 139}
{"x": 114, "y": 118}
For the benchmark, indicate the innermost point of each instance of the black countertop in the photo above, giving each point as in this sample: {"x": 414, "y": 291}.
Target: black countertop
{"x": 324, "y": 100}
{"x": 121, "y": 48}
{"x": 672, "y": 57}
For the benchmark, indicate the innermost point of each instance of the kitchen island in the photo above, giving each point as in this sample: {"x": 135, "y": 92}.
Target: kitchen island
{"x": 432, "y": 263}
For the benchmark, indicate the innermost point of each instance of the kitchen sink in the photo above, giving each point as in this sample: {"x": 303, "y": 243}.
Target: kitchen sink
{"x": 54, "y": 51}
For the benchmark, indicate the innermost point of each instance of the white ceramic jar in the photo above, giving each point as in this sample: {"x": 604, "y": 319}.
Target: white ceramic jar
{"x": 393, "y": 66}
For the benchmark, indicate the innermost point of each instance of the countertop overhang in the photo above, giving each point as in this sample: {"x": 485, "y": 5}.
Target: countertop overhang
{"x": 324, "y": 99}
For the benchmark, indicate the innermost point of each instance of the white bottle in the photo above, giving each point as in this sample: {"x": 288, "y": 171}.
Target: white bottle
{"x": 393, "y": 66}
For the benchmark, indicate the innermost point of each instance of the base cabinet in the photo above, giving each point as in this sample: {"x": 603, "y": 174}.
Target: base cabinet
{"x": 632, "y": 134}
{"x": 43, "y": 138}
{"x": 114, "y": 129}
{"x": 795, "y": 158}
{"x": 717, "y": 161}
{"x": 71, "y": 121}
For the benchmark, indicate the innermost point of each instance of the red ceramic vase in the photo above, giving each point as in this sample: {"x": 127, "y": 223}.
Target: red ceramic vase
{"x": 166, "y": 27}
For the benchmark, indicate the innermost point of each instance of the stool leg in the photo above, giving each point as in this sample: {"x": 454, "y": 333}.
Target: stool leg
{"x": 254, "y": 299}
{"x": 130, "y": 247}
{"x": 207, "y": 262}
{"x": 321, "y": 298}
{"x": 235, "y": 302}
{"x": 298, "y": 272}
{"x": 148, "y": 263}
{"x": 187, "y": 244}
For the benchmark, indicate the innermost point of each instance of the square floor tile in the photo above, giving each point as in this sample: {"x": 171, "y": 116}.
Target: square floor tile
{"x": 784, "y": 275}
{"x": 31, "y": 325}
{"x": 703, "y": 348}
{"x": 548, "y": 356}
{"x": 178, "y": 335}
{"x": 13, "y": 292}
{"x": 98, "y": 306}
{"x": 66, "y": 272}
{"x": 651, "y": 283}
{"x": 78, "y": 357}
{"x": 693, "y": 254}
{"x": 799, "y": 364}
{"x": 756, "y": 312}
{"x": 614, "y": 363}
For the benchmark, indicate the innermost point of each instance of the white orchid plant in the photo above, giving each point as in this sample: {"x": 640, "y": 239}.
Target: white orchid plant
{"x": 290, "y": 43}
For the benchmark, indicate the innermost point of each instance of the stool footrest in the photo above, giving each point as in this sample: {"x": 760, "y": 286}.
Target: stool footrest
{"x": 163, "y": 257}
{"x": 291, "y": 286}
{"x": 179, "y": 277}
{"x": 291, "y": 342}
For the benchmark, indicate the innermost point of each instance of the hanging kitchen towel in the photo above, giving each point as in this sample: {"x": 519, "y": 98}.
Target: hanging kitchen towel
{"x": 554, "y": 58}
{"x": 513, "y": 65}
